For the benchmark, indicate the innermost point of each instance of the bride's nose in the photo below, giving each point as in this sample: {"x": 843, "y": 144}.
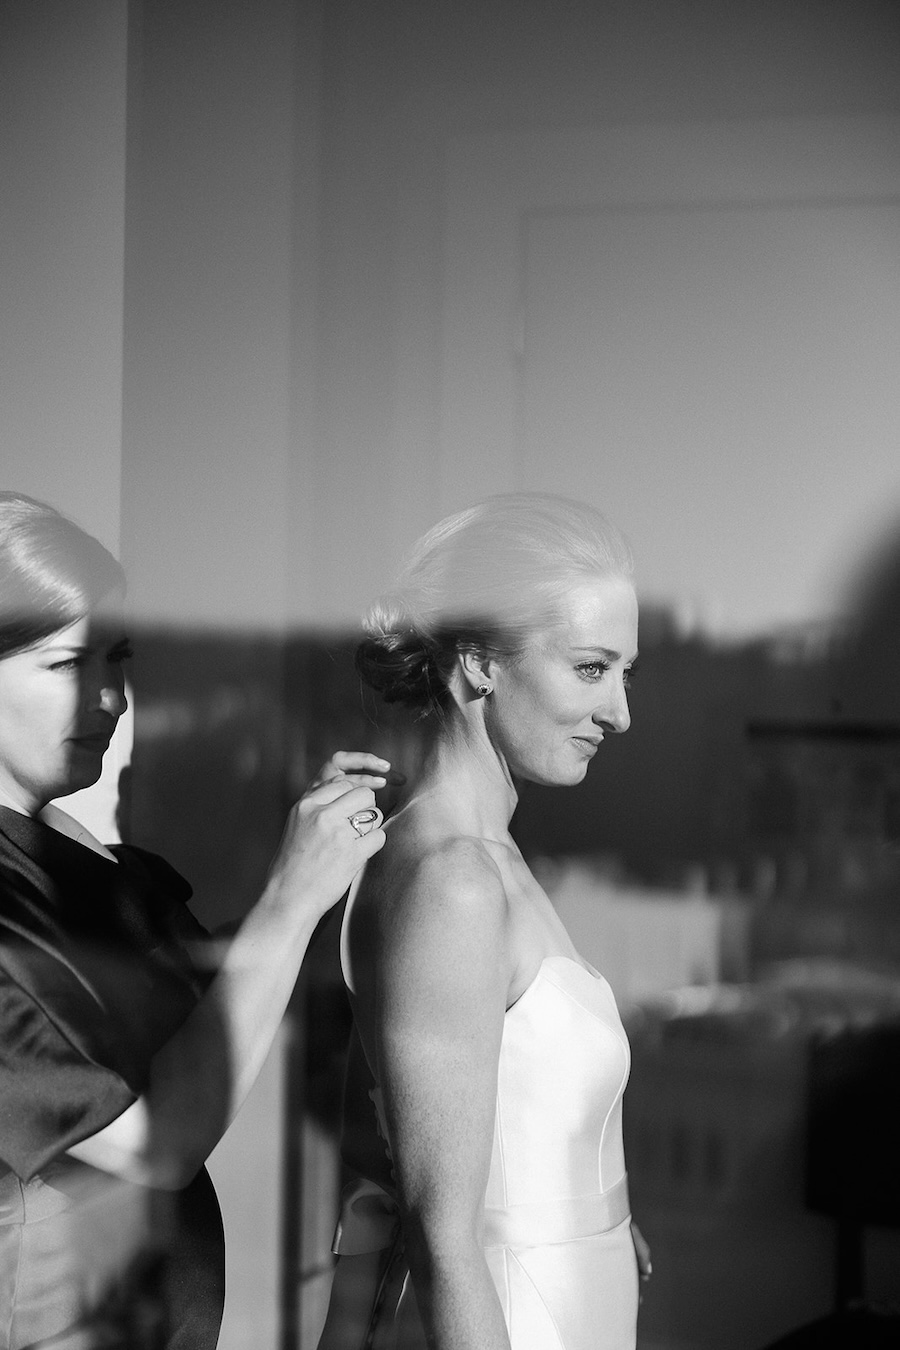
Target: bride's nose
{"x": 613, "y": 714}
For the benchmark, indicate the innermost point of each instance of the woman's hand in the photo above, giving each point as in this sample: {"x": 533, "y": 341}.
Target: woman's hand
{"x": 333, "y": 829}
{"x": 358, "y": 767}
{"x": 642, "y": 1252}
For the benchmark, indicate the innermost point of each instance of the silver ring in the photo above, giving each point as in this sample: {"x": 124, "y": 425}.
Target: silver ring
{"x": 363, "y": 821}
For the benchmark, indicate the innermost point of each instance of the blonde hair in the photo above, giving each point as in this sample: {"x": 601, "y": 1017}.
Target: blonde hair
{"x": 484, "y": 579}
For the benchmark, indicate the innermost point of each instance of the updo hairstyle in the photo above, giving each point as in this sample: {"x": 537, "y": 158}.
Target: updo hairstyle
{"x": 483, "y": 580}
{"x": 52, "y": 572}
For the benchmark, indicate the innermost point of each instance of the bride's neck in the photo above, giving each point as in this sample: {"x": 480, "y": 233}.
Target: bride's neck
{"x": 471, "y": 781}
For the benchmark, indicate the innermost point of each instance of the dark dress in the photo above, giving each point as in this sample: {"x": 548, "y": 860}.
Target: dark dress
{"x": 100, "y": 963}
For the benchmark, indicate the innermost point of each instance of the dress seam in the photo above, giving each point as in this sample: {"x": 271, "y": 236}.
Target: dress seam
{"x": 621, "y": 1040}
{"x": 560, "y": 1343}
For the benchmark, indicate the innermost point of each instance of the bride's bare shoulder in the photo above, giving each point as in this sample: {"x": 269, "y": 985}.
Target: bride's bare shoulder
{"x": 426, "y": 860}
{"x": 432, "y": 900}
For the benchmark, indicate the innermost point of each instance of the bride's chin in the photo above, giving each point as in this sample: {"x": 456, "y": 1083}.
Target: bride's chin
{"x": 565, "y": 776}
{"x": 576, "y": 773}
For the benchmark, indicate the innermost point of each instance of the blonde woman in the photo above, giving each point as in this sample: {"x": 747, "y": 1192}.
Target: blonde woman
{"x": 486, "y": 1077}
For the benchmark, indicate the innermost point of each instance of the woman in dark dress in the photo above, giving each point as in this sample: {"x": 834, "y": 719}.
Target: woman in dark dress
{"x": 124, "y": 1051}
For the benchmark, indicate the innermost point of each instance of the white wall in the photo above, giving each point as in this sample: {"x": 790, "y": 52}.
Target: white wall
{"x": 409, "y": 89}
{"x": 694, "y": 328}
{"x": 209, "y": 308}
{"x": 62, "y": 221}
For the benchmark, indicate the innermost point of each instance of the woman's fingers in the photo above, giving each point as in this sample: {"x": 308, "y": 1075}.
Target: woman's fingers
{"x": 359, "y": 761}
{"x": 332, "y": 829}
{"x": 335, "y": 816}
{"x": 328, "y": 836}
{"x": 335, "y": 790}
{"x": 362, "y": 768}
{"x": 363, "y": 822}
{"x": 642, "y": 1252}
{"x": 346, "y": 762}
{"x": 339, "y": 801}
{"x": 392, "y": 778}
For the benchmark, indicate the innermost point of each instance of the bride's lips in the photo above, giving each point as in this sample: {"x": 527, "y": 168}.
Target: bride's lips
{"x": 98, "y": 742}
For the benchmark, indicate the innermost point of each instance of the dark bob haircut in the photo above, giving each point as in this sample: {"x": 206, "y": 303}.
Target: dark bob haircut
{"x": 52, "y": 572}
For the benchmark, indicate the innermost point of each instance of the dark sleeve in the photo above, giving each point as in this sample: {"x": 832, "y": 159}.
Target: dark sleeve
{"x": 51, "y": 1094}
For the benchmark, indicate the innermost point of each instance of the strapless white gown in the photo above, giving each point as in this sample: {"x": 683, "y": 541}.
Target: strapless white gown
{"x": 557, "y": 1221}
{"x": 557, "y": 1224}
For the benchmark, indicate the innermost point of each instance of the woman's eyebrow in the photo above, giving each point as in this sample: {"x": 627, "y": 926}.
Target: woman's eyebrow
{"x": 609, "y": 652}
{"x": 86, "y": 648}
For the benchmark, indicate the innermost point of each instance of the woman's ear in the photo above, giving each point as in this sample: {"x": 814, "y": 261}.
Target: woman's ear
{"x": 474, "y": 665}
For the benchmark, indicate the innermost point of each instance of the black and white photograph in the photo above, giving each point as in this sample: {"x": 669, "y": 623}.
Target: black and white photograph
{"x": 449, "y": 674}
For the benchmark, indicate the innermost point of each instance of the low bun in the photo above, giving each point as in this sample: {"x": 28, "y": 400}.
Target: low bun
{"x": 399, "y": 662}
{"x": 400, "y": 671}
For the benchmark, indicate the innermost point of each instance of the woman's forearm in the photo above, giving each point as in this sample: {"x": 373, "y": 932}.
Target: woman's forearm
{"x": 199, "y": 1079}
{"x": 202, "y": 1076}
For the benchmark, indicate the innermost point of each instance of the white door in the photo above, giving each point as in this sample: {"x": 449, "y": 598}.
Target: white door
{"x": 698, "y": 329}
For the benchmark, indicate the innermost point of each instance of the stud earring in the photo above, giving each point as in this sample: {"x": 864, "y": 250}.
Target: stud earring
{"x": 484, "y": 689}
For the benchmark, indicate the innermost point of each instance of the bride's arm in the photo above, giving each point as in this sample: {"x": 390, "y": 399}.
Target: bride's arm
{"x": 443, "y": 977}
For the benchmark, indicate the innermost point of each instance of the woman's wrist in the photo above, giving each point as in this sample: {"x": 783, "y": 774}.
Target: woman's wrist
{"x": 300, "y": 900}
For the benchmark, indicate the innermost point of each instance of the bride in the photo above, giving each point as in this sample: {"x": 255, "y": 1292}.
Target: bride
{"x": 483, "y": 1103}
